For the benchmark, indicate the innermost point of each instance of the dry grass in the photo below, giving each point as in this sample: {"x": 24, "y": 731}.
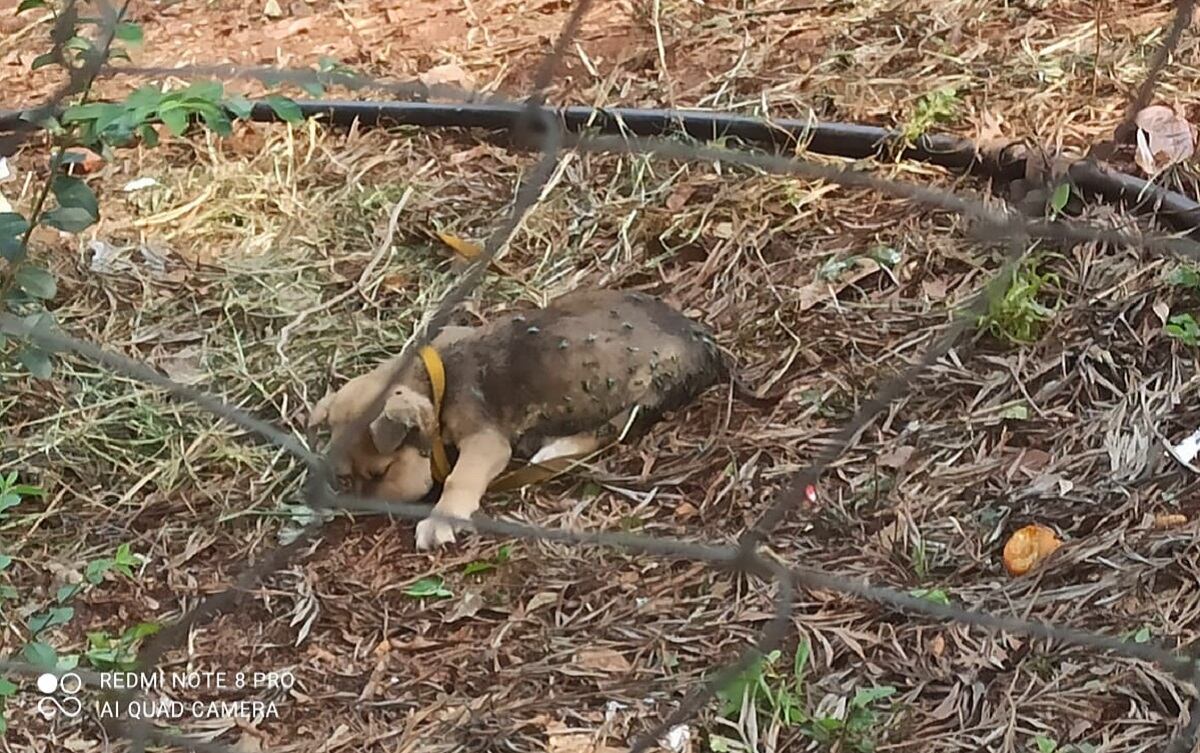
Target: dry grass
{"x": 261, "y": 228}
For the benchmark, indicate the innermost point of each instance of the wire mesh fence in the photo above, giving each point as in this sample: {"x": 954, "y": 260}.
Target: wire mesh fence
{"x": 540, "y": 128}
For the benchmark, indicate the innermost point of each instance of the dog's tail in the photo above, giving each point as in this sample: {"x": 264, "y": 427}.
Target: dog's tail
{"x": 742, "y": 391}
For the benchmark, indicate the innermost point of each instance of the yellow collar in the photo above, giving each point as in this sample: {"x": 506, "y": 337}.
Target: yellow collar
{"x": 439, "y": 461}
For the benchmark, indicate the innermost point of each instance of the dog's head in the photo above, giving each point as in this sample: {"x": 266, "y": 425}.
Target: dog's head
{"x": 390, "y": 457}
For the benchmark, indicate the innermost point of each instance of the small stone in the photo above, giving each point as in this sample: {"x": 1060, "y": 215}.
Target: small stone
{"x": 562, "y": 344}
{"x": 533, "y": 330}
{"x": 627, "y": 325}
{"x": 632, "y": 349}
{"x": 591, "y": 338}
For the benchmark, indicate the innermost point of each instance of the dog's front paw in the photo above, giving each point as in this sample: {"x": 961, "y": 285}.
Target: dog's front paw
{"x": 434, "y": 533}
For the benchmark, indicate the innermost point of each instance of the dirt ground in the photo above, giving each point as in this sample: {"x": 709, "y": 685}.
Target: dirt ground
{"x": 226, "y": 272}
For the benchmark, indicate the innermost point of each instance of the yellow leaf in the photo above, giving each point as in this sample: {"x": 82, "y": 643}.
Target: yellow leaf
{"x": 466, "y": 249}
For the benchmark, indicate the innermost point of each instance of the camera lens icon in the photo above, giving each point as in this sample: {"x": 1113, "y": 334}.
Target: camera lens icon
{"x": 68, "y": 686}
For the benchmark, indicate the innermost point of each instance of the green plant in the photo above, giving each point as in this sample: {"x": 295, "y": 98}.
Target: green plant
{"x": 482, "y": 566}
{"x": 67, "y": 203}
{"x": 1185, "y": 276}
{"x": 428, "y": 588}
{"x": 1018, "y": 315}
{"x": 1183, "y": 327}
{"x": 105, "y": 652}
{"x": 938, "y": 106}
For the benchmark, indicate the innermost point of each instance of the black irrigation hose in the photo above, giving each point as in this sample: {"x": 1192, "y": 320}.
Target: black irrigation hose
{"x": 846, "y": 140}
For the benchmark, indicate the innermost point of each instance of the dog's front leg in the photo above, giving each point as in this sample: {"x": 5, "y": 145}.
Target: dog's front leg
{"x": 481, "y": 458}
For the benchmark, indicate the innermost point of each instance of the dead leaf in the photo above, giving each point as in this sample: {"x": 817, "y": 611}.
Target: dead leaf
{"x": 680, "y": 197}
{"x": 935, "y": 289}
{"x": 79, "y": 160}
{"x": 1029, "y": 546}
{"x": 1034, "y": 460}
{"x": 562, "y": 739}
{"x": 897, "y": 458}
{"x": 820, "y": 290}
{"x": 463, "y": 248}
{"x": 449, "y": 74}
{"x": 541, "y": 600}
{"x": 602, "y": 660}
{"x": 468, "y": 606}
{"x": 1162, "y": 310}
{"x": 1164, "y": 138}
{"x": 394, "y": 283}
{"x": 1169, "y": 520}
{"x": 685, "y": 510}
{"x": 937, "y": 646}
{"x": 248, "y": 743}
{"x": 272, "y": 9}
{"x": 989, "y": 132}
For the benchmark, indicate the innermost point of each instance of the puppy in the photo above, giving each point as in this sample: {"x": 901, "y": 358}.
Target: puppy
{"x": 543, "y": 384}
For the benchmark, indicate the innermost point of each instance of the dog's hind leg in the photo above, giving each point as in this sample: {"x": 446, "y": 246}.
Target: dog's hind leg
{"x": 481, "y": 457}
{"x": 562, "y": 447}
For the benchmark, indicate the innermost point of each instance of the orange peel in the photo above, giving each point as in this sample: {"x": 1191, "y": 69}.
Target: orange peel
{"x": 1027, "y": 547}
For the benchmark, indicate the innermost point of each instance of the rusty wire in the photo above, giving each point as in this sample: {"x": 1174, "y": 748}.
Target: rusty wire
{"x": 746, "y": 556}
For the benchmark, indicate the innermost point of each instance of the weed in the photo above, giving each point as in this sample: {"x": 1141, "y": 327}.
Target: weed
{"x": 1183, "y": 327}
{"x": 429, "y": 588}
{"x": 482, "y": 566}
{"x": 105, "y": 652}
{"x": 1018, "y": 316}
{"x": 936, "y": 107}
{"x": 784, "y": 696}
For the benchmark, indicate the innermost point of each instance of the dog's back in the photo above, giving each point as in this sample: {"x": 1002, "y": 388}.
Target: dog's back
{"x": 581, "y": 361}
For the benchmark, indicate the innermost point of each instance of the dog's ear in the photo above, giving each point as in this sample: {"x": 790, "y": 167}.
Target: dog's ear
{"x": 320, "y": 411}
{"x": 403, "y": 412}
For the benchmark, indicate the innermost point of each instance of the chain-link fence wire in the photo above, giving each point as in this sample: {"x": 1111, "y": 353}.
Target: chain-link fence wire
{"x": 540, "y": 126}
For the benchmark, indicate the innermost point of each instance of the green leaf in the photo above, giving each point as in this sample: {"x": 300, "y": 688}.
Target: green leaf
{"x": 210, "y": 92}
{"x": 428, "y": 587}
{"x": 73, "y": 192}
{"x": 68, "y": 219}
{"x": 1045, "y": 744}
{"x": 313, "y": 88}
{"x": 285, "y": 108}
{"x": 6, "y": 688}
{"x": 865, "y": 697}
{"x": 12, "y": 225}
{"x": 1015, "y": 412}
{"x": 1142, "y": 635}
{"x": 43, "y": 60}
{"x": 139, "y": 631}
{"x": 8, "y": 592}
{"x": 803, "y": 651}
{"x": 128, "y": 31}
{"x": 30, "y": 5}
{"x": 36, "y": 362}
{"x": 1186, "y": 277}
{"x": 66, "y": 593}
{"x": 886, "y": 256}
{"x": 935, "y": 595}
{"x": 95, "y": 570}
{"x": 1062, "y": 194}
{"x": 240, "y": 106}
{"x": 504, "y": 554}
{"x": 82, "y": 44}
{"x": 9, "y": 500}
{"x": 478, "y": 567}
{"x": 36, "y": 281}
{"x": 5, "y": 561}
{"x": 149, "y": 135}
{"x": 52, "y": 618}
{"x": 175, "y": 119}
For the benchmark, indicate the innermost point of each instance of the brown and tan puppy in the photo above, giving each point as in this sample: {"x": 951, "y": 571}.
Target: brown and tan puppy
{"x": 540, "y": 384}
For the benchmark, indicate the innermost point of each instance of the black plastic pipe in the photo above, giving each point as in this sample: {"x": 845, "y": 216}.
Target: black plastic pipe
{"x": 846, "y": 140}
